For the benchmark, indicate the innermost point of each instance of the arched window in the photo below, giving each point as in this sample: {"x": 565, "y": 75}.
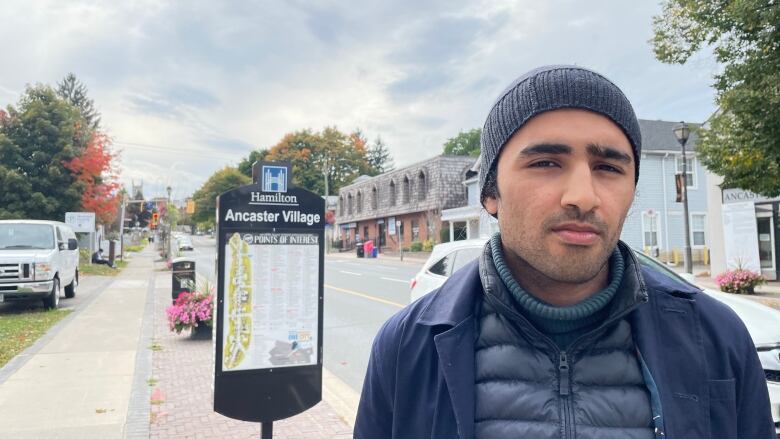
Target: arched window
{"x": 341, "y": 205}
{"x": 392, "y": 193}
{"x": 349, "y": 204}
{"x": 359, "y": 202}
{"x": 407, "y": 190}
{"x": 422, "y": 187}
{"x": 374, "y": 201}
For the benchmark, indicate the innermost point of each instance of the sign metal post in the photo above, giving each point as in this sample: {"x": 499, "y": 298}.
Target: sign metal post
{"x": 269, "y": 313}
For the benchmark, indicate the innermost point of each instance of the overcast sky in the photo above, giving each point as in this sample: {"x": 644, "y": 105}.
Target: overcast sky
{"x": 188, "y": 87}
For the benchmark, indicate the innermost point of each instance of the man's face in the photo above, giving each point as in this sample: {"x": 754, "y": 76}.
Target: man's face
{"x": 565, "y": 184}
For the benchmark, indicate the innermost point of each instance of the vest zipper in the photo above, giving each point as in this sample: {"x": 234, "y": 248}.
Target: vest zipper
{"x": 564, "y": 390}
{"x": 563, "y": 367}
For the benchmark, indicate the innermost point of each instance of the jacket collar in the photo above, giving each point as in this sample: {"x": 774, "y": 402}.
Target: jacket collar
{"x": 454, "y": 302}
{"x": 453, "y": 307}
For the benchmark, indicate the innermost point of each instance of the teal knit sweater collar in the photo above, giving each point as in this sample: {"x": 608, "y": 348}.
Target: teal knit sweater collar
{"x": 566, "y": 323}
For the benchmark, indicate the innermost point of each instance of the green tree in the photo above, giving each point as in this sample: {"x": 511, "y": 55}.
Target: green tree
{"x": 245, "y": 165}
{"x": 741, "y": 141}
{"x": 36, "y": 138}
{"x": 206, "y": 197}
{"x": 378, "y": 157}
{"x": 465, "y": 143}
{"x": 74, "y": 92}
{"x": 315, "y": 155}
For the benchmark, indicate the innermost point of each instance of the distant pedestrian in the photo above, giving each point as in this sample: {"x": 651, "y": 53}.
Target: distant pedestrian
{"x": 557, "y": 331}
{"x": 99, "y": 258}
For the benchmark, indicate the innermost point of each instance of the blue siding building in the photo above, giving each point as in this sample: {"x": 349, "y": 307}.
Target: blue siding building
{"x": 655, "y": 223}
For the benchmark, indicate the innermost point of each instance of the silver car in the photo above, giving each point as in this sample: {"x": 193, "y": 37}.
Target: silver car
{"x": 762, "y": 322}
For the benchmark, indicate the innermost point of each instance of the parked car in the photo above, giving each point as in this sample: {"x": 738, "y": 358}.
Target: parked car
{"x": 37, "y": 258}
{"x": 762, "y": 322}
{"x": 184, "y": 243}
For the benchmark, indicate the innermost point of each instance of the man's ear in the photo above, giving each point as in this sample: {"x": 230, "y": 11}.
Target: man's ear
{"x": 491, "y": 205}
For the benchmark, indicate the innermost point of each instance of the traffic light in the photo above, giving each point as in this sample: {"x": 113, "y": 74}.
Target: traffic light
{"x": 155, "y": 217}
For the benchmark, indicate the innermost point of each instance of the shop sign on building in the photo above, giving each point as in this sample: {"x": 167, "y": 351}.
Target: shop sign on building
{"x": 739, "y": 233}
{"x": 740, "y": 195}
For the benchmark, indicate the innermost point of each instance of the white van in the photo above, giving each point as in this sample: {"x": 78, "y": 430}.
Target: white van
{"x": 38, "y": 258}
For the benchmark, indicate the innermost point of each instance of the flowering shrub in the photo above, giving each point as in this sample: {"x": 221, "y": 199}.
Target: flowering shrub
{"x": 190, "y": 310}
{"x": 739, "y": 281}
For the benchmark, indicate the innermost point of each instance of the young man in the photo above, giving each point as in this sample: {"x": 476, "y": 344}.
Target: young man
{"x": 557, "y": 331}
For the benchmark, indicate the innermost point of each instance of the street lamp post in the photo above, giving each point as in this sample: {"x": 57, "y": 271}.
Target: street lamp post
{"x": 681, "y": 132}
{"x": 168, "y": 246}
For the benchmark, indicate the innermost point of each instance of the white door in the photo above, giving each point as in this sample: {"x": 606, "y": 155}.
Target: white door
{"x": 766, "y": 244}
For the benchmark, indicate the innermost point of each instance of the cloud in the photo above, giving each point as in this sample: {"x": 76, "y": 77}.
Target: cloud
{"x": 200, "y": 84}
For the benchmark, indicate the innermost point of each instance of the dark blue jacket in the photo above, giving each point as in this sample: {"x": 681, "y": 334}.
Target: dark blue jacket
{"x": 420, "y": 379}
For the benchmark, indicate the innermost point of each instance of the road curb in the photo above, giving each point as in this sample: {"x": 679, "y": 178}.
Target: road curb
{"x": 341, "y": 398}
{"x": 139, "y": 406}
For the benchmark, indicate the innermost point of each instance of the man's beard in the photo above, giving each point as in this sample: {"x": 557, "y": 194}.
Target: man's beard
{"x": 577, "y": 264}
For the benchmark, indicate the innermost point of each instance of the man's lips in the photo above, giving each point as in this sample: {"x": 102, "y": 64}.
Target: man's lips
{"x": 577, "y": 234}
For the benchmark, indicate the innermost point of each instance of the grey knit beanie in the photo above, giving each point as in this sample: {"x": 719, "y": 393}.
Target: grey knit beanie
{"x": 551, "y": 88}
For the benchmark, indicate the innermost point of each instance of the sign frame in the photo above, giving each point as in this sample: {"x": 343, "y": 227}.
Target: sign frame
{"x": 267, "y": 394}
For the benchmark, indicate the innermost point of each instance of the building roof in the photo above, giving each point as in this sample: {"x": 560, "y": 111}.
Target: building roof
{"x": 402, "y": 171}
{"x": 429, "y": 185}
{"x": 658, "y": 135}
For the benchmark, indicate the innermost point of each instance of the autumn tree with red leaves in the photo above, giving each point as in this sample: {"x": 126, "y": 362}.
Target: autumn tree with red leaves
{"x": 54, "y": 159}
{"x": 94, "y": 169}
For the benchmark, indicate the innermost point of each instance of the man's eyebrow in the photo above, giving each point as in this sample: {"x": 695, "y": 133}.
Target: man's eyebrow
{"x": 546, "y": 148}
{"x": 608, "y": 152}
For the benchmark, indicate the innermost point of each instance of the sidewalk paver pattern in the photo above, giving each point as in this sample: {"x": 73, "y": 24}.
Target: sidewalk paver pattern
{"x": 182, "y": 405}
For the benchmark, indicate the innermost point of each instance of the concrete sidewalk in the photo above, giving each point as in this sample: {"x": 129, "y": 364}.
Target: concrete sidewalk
{"x": 768, "y": 294}
{"x": 78, "y": 381}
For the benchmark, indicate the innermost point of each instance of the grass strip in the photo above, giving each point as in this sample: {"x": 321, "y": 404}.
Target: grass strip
{"x": 20, "y": 329}
{"x": 102, "y": 270}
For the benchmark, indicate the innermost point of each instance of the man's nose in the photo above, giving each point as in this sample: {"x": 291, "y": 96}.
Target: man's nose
{"x": 579, "y": 190}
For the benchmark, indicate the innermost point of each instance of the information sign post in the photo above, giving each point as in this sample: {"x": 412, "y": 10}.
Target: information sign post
{"x": 268, "y": 344}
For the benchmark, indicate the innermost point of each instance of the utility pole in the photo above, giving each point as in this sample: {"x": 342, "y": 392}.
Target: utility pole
{"x": 168, "y": 225}
{"x": 325, "y": 169}
{"x": 122, "y": 229}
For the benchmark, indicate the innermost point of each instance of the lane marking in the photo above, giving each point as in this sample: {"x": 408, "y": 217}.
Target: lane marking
{"x": 350, "y": 272}
{"x": 395, "y": 280}
{"x": 365, "y": 296}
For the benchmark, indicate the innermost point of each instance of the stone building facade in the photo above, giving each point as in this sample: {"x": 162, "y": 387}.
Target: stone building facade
{"x": 403, "y": 205}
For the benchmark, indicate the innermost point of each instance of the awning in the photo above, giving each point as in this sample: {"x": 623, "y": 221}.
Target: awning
{"x": 464, "y": 213}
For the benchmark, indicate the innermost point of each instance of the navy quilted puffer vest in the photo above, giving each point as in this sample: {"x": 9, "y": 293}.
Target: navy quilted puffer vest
{"x": 527, "y": 387}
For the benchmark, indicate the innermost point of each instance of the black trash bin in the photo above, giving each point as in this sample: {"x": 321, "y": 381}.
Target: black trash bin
{"x": 183, "y": 276}
{"x": 360, "y": 252}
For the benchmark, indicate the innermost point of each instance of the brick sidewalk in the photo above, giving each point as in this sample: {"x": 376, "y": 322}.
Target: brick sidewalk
{"x": 182, "y": 404}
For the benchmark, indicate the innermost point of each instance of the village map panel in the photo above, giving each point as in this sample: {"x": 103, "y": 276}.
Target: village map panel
{"x": 271, "y": 301}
